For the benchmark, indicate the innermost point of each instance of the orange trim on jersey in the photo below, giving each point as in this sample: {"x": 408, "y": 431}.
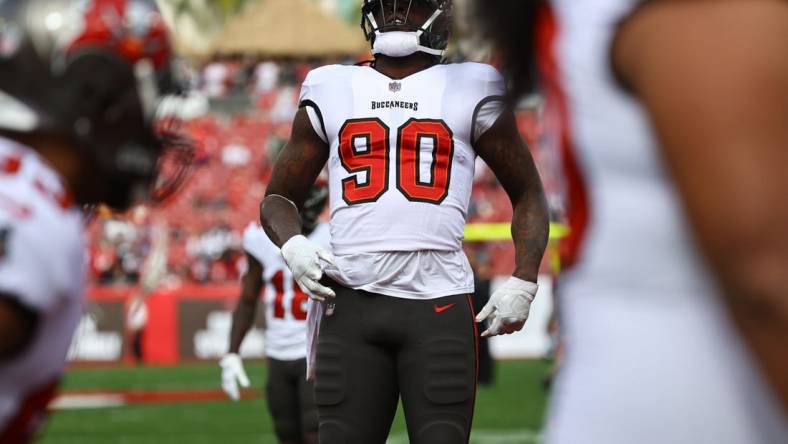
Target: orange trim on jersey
{"x": 476, "y": 355}
{"x": 547, "y": 33}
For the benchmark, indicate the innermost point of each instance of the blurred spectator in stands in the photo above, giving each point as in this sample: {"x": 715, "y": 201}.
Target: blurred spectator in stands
{"x": 288, "y": 75}
{"x": 216, "y": 241}
{"x": 122, "y": 236}
{"x": 266, "y": 77}
{"x": 236, "y": 154}
{"x": 103, "y": 259}
{"x": 228, "y": 267}
{"x": 130, "y": 264}
{"x": 186, "y": 72}
{"x": 215, "y": 79}
{"x": 214, "y": 255}
{"x": 285, "y": 106}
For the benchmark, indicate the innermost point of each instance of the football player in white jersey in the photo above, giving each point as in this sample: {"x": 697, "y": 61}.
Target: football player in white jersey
{"x": 291, "y": 398}
{"x": 676, "y": 307}
{"x": 79, "y": 82}
{"x": 400, "y": 138}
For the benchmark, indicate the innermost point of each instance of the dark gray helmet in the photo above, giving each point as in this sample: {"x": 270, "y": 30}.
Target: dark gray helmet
{"x": 94, "y": 72}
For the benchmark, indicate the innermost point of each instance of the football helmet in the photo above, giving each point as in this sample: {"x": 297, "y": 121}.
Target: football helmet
{"x": 392, "y": 30}
{"x": 94, "y": 73}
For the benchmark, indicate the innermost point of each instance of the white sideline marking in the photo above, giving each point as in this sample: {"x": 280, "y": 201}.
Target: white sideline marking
{"x": 487, "y": 437}
{"x": 74, "y": 402}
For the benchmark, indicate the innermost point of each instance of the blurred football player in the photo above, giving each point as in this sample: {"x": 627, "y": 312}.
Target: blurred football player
{"x": 400, "y": 138}
{"x": 152, "y": 276}
{"x": 291, "y": 398}
{"x": 80, "y": 82}
{"x": 676, "y": 307}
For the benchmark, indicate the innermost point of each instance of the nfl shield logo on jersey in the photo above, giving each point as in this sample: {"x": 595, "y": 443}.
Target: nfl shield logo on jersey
{"x": 395, "y": 86}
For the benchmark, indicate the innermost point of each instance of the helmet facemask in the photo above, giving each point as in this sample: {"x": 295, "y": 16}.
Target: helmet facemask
{"x": 398, "y": 28}
{"x": 176, "y": 161}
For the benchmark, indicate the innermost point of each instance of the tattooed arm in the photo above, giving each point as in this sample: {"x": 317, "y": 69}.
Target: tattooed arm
{"x": 295, "y": 171}
{"x": 505, "y": 152}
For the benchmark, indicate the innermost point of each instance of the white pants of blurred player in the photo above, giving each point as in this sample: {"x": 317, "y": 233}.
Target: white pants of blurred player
{"x": 653, "y": 369}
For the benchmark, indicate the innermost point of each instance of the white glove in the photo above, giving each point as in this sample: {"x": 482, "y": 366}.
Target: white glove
{"x": 233, "y": 373}
{"x": 304, "y": 259}
{"x": 508, "y": 307}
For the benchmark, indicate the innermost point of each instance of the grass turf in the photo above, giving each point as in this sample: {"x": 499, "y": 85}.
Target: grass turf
{"x": 509, "y": 412}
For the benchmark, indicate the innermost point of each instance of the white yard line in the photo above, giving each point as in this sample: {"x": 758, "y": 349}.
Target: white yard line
{"x": 92, "y": 401}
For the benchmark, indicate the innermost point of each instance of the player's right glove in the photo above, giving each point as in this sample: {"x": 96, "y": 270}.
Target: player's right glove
{"x": 304, "y": 259}
{"x": 233, "y": 373}
{"x": 508, "y": 308}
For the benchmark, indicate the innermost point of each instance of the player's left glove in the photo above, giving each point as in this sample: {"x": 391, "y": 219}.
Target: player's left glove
{"x": 233, "y": 373}
{"x": 508, "y": 308}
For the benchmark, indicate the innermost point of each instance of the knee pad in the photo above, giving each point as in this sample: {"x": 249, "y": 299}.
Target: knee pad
{"x": 442, "y": 432}
{"x": 287, "y": 430}
{"x": 280, "y": 405}
{"x": 309, "y": 421}
{"x": 333, "y": 433}
{"x": 451, "y": 372}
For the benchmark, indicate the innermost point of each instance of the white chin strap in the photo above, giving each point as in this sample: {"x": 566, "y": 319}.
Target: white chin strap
{"x": 401, "y": 43}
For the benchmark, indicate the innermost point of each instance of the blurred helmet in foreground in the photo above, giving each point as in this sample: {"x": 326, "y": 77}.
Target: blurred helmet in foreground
{"x": 93, "y": 72}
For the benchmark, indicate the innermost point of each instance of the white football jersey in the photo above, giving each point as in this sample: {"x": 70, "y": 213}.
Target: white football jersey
{"x": 42, "y": 265}
{"x": 651, "y": 354}
{"x": 286, "y": 306}
{"x": 401, "y": 166}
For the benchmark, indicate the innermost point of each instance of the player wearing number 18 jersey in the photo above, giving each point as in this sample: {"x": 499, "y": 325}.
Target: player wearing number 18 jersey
{"x": 290, "y": 396}
{"x": 400, "y": 138}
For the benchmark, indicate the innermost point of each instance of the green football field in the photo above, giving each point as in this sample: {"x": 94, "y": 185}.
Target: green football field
{"x": 509, "y": 412}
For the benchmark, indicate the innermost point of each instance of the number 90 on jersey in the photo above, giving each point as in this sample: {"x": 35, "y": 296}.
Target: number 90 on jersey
{"x": 364, "y": 147}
